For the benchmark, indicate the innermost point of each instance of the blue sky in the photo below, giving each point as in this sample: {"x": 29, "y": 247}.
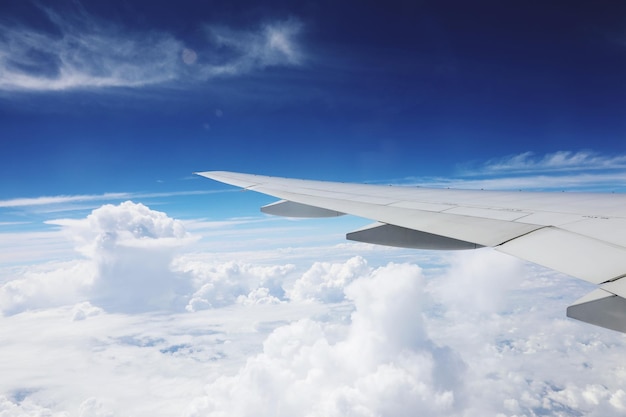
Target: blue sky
{"x": 178, "y": 297}
{"x": 352, "y": 91}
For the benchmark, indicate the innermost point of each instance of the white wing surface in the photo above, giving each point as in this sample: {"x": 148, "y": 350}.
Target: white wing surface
{"x": 580, "y": 234}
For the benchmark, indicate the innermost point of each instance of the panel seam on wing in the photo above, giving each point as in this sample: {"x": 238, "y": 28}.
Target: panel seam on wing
{"x": 613, "y": 279}
{"x": 525, "y": 234}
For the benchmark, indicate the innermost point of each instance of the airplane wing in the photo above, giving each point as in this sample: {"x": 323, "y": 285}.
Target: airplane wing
{"x": 579, "y": 234}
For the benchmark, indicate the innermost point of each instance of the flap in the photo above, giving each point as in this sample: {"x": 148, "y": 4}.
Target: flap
{"x": 390, "y": 235}
{"x": 292, "y": 209}
{"x": 601, "y": 308}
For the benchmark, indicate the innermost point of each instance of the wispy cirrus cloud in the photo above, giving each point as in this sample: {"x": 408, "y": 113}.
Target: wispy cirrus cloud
{"x": 583, "y": 170}
{"x": 88, "y": 53}
{"x": 553, "y": 162}
{"x": 273, "y": 44}
{"x": 65, "y": 199}
{"x": 606, "y": 182}
{"x": 60, "y": 199}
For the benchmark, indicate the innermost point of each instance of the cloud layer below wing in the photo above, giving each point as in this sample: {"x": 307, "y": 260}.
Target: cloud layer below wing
{"x": 136, "y": 325}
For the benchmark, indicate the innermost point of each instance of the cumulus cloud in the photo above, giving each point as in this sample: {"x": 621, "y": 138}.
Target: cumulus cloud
{"x": 326, "y": 281}
{"x": 218, "y": 284}
{"x": 11, "y": 408}
{"x": 260, "y": 295}
{"x": 125, "y": 225}
{"x": 47, "y": 285}
{"x": 127, "y": 254}
{"x": 381, "y": 363}
{"x": 478, "y": 281}
{"x": 82, "y": 311}
{"x": 84, "y": 52}
{"x": 132, "y": 262}
{"x": 523, "y": 356}
{"x": 405, "y": 350}
{"x": 132, "y": 247}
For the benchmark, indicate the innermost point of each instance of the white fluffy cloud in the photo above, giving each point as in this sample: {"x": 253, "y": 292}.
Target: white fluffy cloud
{"x": 523, "y": 356}
{"x": 478, "y": 281}
{"x": 221, "y": 284}
{"x": 47, "y": 285}
{"x": 325, "y": 281}
{"x": 132, "y": 248}
{"x": 127, "y": 249}
{"x": 380, "y": 363}
{"x": 132, "y": 263}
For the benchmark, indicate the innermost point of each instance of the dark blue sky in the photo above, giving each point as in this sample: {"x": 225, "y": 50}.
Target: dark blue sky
{"x": 351, "y": 90}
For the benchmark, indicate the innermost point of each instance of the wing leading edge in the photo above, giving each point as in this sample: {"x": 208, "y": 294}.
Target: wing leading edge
{"x": 580, "y": 234}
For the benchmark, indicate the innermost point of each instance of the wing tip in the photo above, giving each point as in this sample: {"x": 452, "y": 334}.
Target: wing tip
{"x": 211, "y": 174}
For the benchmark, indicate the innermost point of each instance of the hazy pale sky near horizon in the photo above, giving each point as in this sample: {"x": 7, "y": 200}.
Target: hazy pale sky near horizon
{"x": 129, "y": 286}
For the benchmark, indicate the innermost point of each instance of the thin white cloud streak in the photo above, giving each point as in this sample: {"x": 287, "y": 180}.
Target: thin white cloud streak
{"x": 553, "y": 162}
{"x": 30, "y": 247}
{"x": 576, "y": 182}
{"x": 200, "y": 225}
{"x": 562, "y": 171}
{"x": 88, "y": 53}
{"x": 268, "y": 231}
{"x": 60, "y": 199}
{"x": 64, "y": 199}
{"x": 301, "y": 253}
